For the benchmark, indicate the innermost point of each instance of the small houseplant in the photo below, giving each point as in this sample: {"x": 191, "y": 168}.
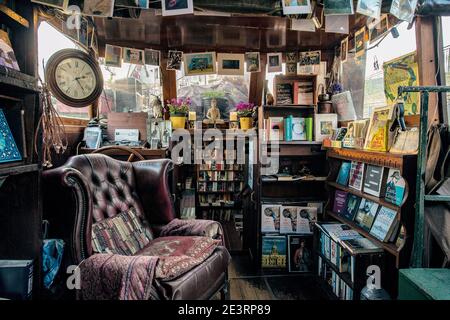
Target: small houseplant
{"x": 178, "y": 110}
{"x": 245, "y": 112}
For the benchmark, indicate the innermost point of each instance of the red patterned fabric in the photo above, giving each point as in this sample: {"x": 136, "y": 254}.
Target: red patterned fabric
{"x": 178, "y": 255}
{"x": 116, "y": 277}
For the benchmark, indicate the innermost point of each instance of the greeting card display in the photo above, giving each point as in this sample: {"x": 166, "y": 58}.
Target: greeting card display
{"x": 9, "y": 151}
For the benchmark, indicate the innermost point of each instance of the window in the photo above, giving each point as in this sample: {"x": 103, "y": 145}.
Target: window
{"x": 389, "y": 48}
{"x": 51, "y": 41}
{"x": 228, "y": 91}
{"x": 129, "y": 88}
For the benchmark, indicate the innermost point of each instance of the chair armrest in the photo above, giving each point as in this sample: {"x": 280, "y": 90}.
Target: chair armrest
{"x": 202, "y": 228}
{"x": 152, "y": 182}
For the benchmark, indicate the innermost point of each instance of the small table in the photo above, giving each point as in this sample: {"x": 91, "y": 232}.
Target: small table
{"x": 424, "y": 284}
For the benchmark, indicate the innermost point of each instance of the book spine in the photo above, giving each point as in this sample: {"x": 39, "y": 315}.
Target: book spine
{"x": 309, "y": 129}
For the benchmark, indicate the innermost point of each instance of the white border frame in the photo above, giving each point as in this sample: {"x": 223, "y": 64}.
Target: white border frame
{"x": 279, "y": 67}
{"x": 306, "y": 9}
{"x": 121, "y": 56}
{"x": 230, "y": 56}
{"x": 106, "y": 15}
{"x": 159, "y": 57}
{"x": 320, "y": 118}
{"x": 188, "y": 10}
{"x": 259, "y": 64}
{"x": 124, "y": 50}
{"x": 188, "y": 55}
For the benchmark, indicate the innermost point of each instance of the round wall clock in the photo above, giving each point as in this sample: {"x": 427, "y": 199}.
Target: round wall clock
{"x": 74, "y": 78}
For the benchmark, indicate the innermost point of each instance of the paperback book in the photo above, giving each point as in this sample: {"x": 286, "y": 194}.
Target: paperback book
{"x": 300, "y": 253}
{"x": 273, "y": 252}
{"x": 395, "y": 187}
{"x": 384, "y": 224}
{"x": 9, "y": 151}
{"x": 344, "y": 173}
{"x": 298, "y": 129}
{"x": 366, "y": 214}
{"x": 360, "y": 246}
{"x": 288, "y": 219}
{"x": 270, "y": 218}
{"x": 307, "y": 217}
{"x": 374, "y": 180}
{"x": 340, "y": 199}
{"x": 276, "y": 128}
{"x": 284, "y": 94}
{"x": 356, "y": 175}
{"x": 351, "y": 207}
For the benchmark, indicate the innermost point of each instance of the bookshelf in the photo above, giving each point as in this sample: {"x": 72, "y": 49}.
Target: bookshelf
{"x": 397, "y": 252}
{"x": 21, "y": 220}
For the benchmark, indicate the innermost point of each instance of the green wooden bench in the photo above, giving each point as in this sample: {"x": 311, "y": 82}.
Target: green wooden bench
{"x": 424, "y": 284}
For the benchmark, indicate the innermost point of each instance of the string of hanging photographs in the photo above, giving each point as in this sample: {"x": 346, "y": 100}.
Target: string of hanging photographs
{"x": 205, "y": 63}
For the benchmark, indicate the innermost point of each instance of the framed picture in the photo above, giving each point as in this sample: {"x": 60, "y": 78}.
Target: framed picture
{"x": 60, "y": 4}
{"x": 378, "y": 29}
{"x": 93, "y": 137}
{"x": 152, "y": 57}
{"x": 175, "y": 8}
{"x": 338, "y": 7}
{"x": 231, "y": 64}
{"x": 274, "y": 62}
{"x": 296, "y": 7}
{"x": 291, "y": 57}
{"x": 324, "y": 124}
{"x": 291, "y": 69}
{"x": 113, "y": 56}
{"x": 370, "y": 8}
{"x": 142, "y": 4}
{"x": 7, "y": 56}
{"x": 134, "y": 56}
{"x": 344, "y": 49}
{"x": 174, "y": 60}
{"x": 403, "y": 9}
{"x": 101, "y": 8}
{"x": 199, "y": 63}
{"x": 360, "y": 41}
{"x": 300, "y": 253}
{"x": 252, "y": 59}
{"x": 309, "y": 58}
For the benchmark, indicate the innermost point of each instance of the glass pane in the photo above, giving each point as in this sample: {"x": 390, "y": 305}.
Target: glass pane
{"x": 228, "y": 91}
{"x": 390, "y": 48}
{"x": 50, "y": 42}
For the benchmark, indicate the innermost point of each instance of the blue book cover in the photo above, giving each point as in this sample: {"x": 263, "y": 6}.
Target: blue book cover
{"x": 344, "y": 173}
{"x": 382, "y": 227}
{"x": 8, "y": 147}
{"x": 351, "y": 207}
{"x": 288, "y": 128}
{"x": 395, "y": 187}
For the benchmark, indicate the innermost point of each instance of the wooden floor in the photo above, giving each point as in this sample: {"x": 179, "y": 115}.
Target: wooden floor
{"x": 248, "y": 284}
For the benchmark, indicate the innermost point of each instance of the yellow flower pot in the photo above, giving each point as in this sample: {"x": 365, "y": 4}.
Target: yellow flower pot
{"x": 246, "y": 123}
{"x": 178, "y": 121}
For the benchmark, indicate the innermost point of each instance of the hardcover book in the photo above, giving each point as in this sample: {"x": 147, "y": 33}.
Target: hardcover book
{"x": 276, "y": 128}
{"x": 374, "y": 180}
{"x": 284, "y": 94}
{"x": 378, "y": 135}
{"x": 384, "y": 224}
{"x": 306, "y": 218}
{"x": 366, "y": 214}
{"x": 9, "y": 151}
{"x": 304, "y": 92}
{"x": 351, "y": 207}
{"x": 288, "y": 219}
{"x": 273, "y": 252}
{"x": 299, "y": 132}
{"x": 395, "y": 187}
{"x": 270, "y": 218}
{"x": 300, "y": 253}
{"x": 344, "y": 173}
{"x": 356, "y": 175}
{"x": 340, "y": 199}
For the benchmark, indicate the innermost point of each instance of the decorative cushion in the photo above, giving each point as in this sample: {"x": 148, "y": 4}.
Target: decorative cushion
{"x": 124, "y": 234}
{"x": 177, "y": 255}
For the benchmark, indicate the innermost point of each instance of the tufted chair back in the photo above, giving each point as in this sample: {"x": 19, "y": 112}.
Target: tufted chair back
{"x": 91, "y": 188}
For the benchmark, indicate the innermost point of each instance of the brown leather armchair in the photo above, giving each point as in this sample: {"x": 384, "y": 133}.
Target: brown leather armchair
{"x": 91, "y": 188}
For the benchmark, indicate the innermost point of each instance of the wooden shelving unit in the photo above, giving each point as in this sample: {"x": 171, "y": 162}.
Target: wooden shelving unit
{"x": 20, "y": 194}
{"x": 397, "y": 257}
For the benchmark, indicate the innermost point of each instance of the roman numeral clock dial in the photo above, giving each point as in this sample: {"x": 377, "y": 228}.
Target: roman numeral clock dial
{"x": 74, "y": 78}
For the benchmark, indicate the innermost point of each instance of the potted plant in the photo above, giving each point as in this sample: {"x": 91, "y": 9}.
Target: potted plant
{"x": 178, "y": 109}
{"x": 245, "y": 112}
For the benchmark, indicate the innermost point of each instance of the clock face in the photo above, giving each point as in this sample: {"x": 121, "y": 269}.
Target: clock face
{"x": 75, "y": 78}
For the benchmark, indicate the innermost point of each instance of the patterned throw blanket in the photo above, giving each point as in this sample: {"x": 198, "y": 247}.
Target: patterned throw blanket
{"x": 202, "y": 228}
{"x": 116, "y": 277}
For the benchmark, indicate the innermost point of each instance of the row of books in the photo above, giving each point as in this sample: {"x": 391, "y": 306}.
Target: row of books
{"x": 288, "y": 129}
{"x": 220, "y": 176}
{"x": 225, "y": 186}
{"x": 374, "y": 180}
{"x": 293, "y": 252}
{"x": 284, "y": 219}
{"x": 299, "y": 92}
{"x": 221, "y": 166}
{"x": 216, "y": 199}
{"x": 220, "y": 214}
{"x": 339, "y": 287}
{"x": 381, "y": 222}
